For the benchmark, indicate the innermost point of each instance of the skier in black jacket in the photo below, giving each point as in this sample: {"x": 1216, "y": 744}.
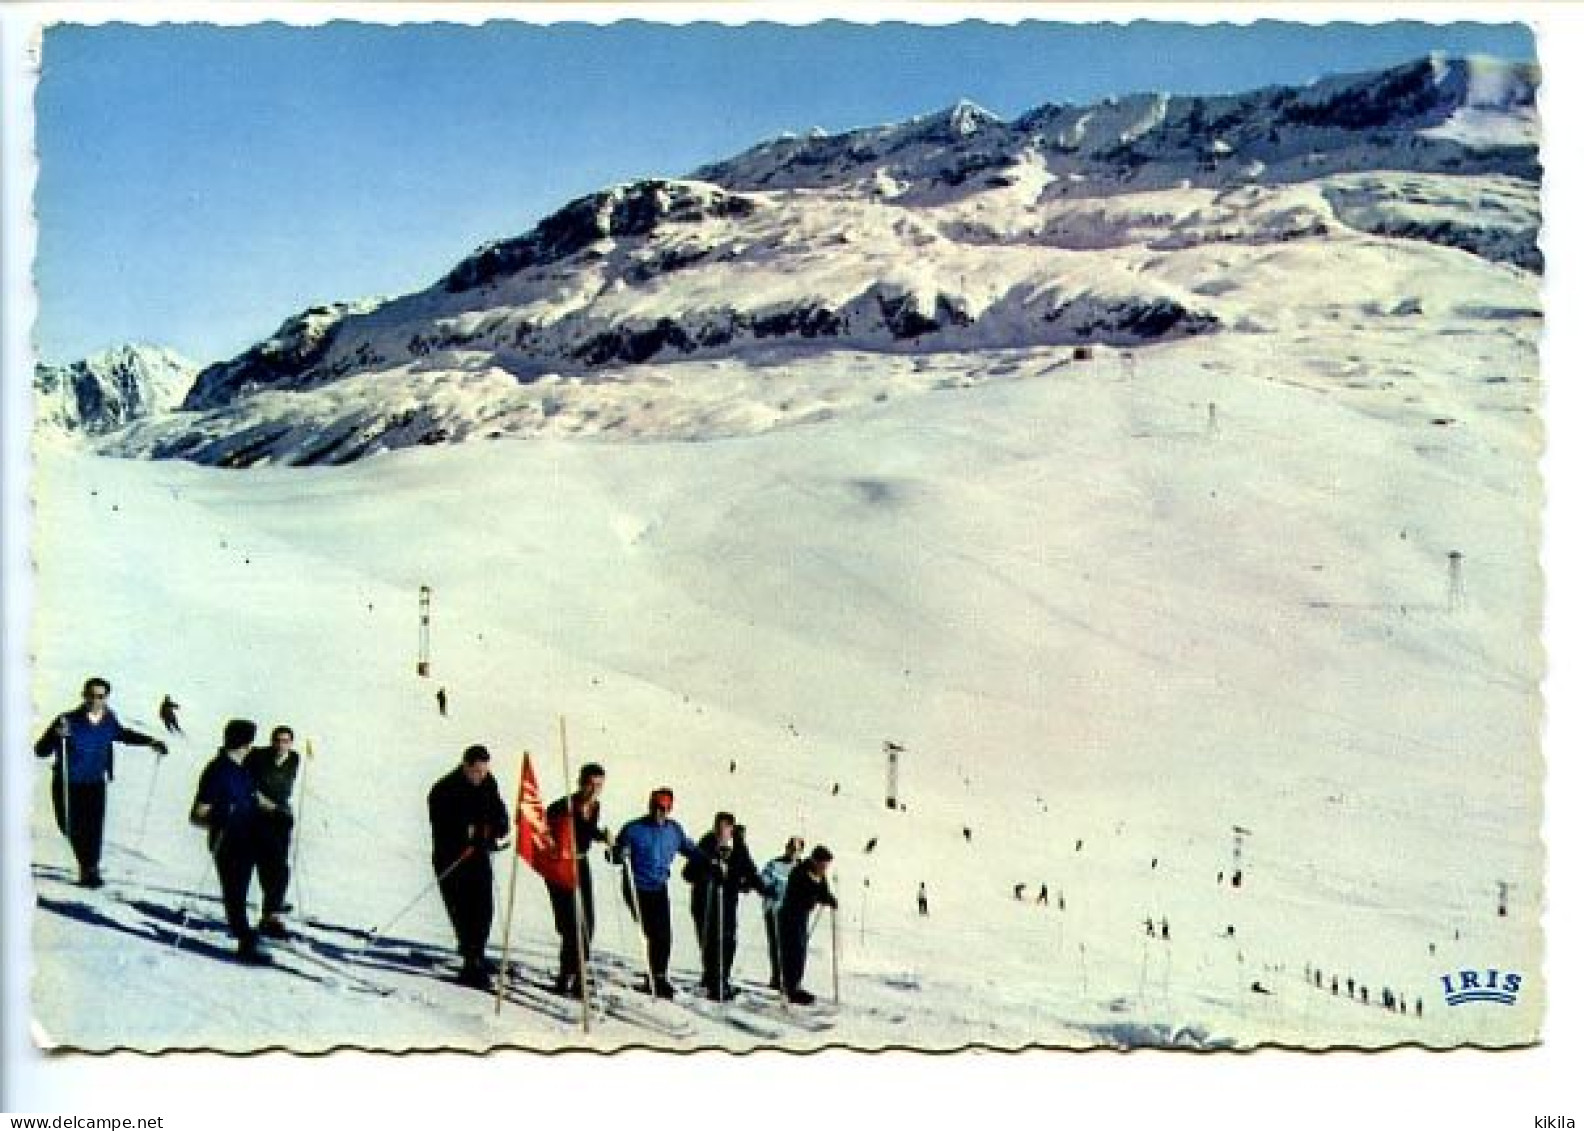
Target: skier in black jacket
{"x": 274, "y": 770}
{"x": 723, "y": 870}
{"x": 227, "y": 805}
{"x": 467, "y": 820}
{"x": 806, "y": 889}
{"x": 563, "y": 904}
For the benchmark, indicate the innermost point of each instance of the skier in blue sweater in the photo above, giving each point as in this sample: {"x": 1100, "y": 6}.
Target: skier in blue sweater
{"x": 82, "y": 742}
{"x": 650, "y": 844}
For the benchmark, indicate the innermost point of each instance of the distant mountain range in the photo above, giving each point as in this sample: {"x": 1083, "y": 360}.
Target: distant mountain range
{"x": 699, "y": 307}
{"x": 110, "y": 389}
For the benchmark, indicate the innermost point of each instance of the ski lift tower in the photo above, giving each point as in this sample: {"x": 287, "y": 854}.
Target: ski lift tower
{"x": 423, "y": 630}
{"x": 1240, "y": 837}
{"x": 893, "y": 752}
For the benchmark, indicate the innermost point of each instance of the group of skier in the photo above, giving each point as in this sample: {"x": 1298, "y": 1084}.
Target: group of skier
{"x": 244, "y": 803}
{"x": 468, "y": 821}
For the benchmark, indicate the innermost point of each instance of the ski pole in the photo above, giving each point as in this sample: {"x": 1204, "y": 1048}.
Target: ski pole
{"x": 148, "y": 803}
{"x": 301, "y": 827}
{"x": 835, "y": 961}
{"x": 643, "y": 933}
{"x": 65, "y": 780}
{"x": 780, "y": 958}
{"x": 188, "y": 895}
{"x": 375, "y": 933}
{"x": 720, "y": 940}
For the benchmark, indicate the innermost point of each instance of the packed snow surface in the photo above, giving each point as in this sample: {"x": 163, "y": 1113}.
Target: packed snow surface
{"x": 1106, "y": 628}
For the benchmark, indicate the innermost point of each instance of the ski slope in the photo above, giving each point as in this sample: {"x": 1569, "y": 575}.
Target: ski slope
{"x": 1107, "y": 624}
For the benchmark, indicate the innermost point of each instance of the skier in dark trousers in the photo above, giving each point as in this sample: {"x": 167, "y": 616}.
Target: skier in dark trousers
{"x": 227, "y": 805}
{"x": 1043, "y": 899}
{"x": 923, "y": 900}
{"x": 82, "y": 742}
{"x": 806, "y": 889}
{"x": 724, "y": 871}
{"x": 274, "y": 772}
{"x": 440, "y": 701}
{"x": 774, "y": 877}
{"x": 467, "y": 821}
{"x": 651, "y": 844}
{"x": 167, "y": 713}
{"x": 585, "y": 806}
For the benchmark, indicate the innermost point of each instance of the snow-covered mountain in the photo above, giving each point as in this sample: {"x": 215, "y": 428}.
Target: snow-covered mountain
{"x": 814, "y": 274}
{"x": 110, "y": 389}
{"x": 1474, "y": 115}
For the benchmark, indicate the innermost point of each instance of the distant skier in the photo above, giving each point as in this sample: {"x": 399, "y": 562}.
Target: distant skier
{"x": 1018, "y": 890}
{"x": 723, "y": 871}
{"x": 467, "y": 821}
{"x": 774, "y": 876}
{"x": 82, "y": 742}
{"x": 441, "y": 701}
{"x": 226, "y": 804}
{"x": 870, "y": 847}
{"x": 584, "y": 804}
{"x": 806, "y": 889}
{"x": 1043, "y": 898}
{"x": 167, "y": 714}
{"x": 923, "y": 900}
{"x": 650, "y": 845}
{"x": 274, "y": 772}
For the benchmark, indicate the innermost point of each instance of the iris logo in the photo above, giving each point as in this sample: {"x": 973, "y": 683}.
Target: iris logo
{"x": 1466, "y": 986}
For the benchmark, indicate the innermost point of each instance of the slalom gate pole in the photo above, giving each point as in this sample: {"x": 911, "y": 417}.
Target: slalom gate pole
{"x": 511, "y": 897}
{"x": 578, "y": 915}
{"x": 301, "y": 825}
{"x": 373, "y": 934}
{"x": 643, "y": 933}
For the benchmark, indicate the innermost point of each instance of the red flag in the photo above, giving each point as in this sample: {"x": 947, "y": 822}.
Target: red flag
{"x": 547, "y": 851}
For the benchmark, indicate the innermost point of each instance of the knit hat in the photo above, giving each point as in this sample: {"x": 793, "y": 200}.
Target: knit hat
{"x": 821, "y": 855}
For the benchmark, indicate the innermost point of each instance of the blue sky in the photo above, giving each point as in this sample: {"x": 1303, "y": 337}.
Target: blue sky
{"x": 197, "y": 185}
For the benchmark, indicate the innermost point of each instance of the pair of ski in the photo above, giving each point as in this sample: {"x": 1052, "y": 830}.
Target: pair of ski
{"x": 628, "y": 1007}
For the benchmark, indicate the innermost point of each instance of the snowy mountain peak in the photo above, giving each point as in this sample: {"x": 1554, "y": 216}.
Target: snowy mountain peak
{"x": 109, "y": 389}
{"x": 962, "y": 120}
{"x": 630, "y": 210}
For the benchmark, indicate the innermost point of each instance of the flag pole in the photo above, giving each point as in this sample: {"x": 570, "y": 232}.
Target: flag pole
{"x": 577, "y": 875}
{"x": 511, "y": 892}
